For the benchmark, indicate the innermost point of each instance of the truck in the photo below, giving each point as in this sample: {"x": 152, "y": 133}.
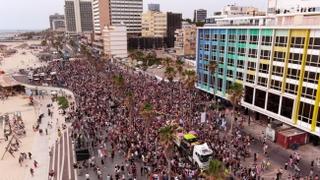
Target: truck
{"x": 198, "y": 153}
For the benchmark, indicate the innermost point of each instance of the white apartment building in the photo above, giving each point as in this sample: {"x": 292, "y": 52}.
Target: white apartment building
{"x": 154, "y": 24}
{"x": 129, "y": 12}
{"x": 115, "y": 41}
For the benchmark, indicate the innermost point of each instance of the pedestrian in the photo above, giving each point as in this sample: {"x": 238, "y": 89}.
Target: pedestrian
{"x": 286, "y": 166}
{"x": 102, "y": 161}
{"x": 30, "y": 155}
{"x": 35, "y": 163}
{"x": 46, "y": 131}
{"x": 31, "y": 172}
{"x": 87, "y": 176}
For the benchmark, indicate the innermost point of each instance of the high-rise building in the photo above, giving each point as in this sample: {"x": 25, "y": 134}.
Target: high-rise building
{"x": 129, "y": 12}
{"x": 57, "y": 22}
{"x": 174, "y": 22}
{"x": 78, "y": 15}
{"x": 185, "y": 43}
{"x": 277, "y": 62}
{"x": 115, "y": 41}
{"x": 154, "y": 7}
{"x": 154, "y": 24}
{"x": 101, "y": 19}
{"x": 199, "y": 15}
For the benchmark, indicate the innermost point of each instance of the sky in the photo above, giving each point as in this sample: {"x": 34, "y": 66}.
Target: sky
{"x": 34, "y": 14}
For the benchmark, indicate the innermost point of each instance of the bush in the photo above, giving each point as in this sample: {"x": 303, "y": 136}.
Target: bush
{"x": 63, "y": 102}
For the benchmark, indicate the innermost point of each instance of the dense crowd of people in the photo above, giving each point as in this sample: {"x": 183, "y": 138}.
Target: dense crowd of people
{"x": 113, "y": 125}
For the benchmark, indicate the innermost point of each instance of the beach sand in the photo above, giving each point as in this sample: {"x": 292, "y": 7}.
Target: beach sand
{"x": 18, "y": 60}
{"x": 10, "y": 168}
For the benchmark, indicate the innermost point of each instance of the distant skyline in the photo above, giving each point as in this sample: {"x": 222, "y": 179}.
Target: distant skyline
{"x": 34, "y": 14}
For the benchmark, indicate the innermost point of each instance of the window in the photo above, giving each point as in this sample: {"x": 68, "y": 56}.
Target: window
{"x": 250, "y": 78}
{"x": 242, "y": 38}
{"x": 222, "y": 37}
{"x": 293, "y": 74}
{"x": 314, "y": 43}
{"x": 297, "y": 42}
{"x": 281, "y": 41}
{"x": 239, "y": 75}
{"x": 295, "y": 58}
{"x": 214, "y": 48}
{"x": 313, "y": 60}
{"x": 221, "y": 60}
{"x": 252, "y": 53}
{"x": 273, "y": 103}
{"x": 220, "y": 82}
{"x": 264, "y": 68}
{"x": 205, "y": 79}
{"x": 230, "y": 62}
{"x": 206, "y": 57}
{"x": 231, "y": 50}
{"x": 207, "y": 37}
{"x": 221, "y": 49}
{"x": 311, "y": 77}
{"x": 286, "y": 107}
{"x": 254, "y": 39}
{"x": 265, "y": 54}
{"x": 260, "y": 98}
{"x": 277, "y": 70}
{"x": 220, "y": 71}
{"x": 241, "y": 51}
{"x": 309, "y": 93}
{"x": 206, "y": 47}
{"x": 240, "y": 64}
{"x": 229, "y": 74}
{"x": 251, "y": 66}
{"x": 232, "y": 38}
{"x": 228, "y": 84}
{"x": 214, "y": 37}
{"x": 266, "y": 40}
{"x": 262, "y": 81}
{"x": 276, "y": 84}
{"x": 248, "y": 94}
{"x": 291, "y": 88}
{"x": 305, "y": 112}
{"x": 279, "y": 56}
{"x": 213, "y": 57}
{"x": 201, "y": 36}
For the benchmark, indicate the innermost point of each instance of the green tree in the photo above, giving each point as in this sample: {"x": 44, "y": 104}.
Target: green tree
{"x": 170, "y": 73}
{"x": 235, "y": 94}
{"x": 43, "y": 43}
{"x": 147, "y": 112}
{"x": 167, "y": 136}
{"x": 215, "y": 171}
{"x": 129, "y": 103}
{"x": 212, "y": 71}
{"x": 63, "y": 102}
{"x": 189, "y": 81}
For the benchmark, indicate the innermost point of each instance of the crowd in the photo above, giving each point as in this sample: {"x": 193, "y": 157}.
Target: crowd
{"x": 112, "y": 126}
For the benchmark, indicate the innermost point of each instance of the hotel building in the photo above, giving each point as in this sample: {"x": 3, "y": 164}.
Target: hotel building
{"x": 278, "y": 65}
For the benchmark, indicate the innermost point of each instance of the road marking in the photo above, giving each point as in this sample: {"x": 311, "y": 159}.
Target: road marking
{"x": 68, "y": 154}
{"x": 53, "y": 156}
{"x": 63, "y": 150}
{"x": 58, "y": 160}
{"x": 74, "y": 160}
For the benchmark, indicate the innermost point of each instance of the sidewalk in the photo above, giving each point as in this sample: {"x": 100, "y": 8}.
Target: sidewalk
{"x": 278, "y": 155}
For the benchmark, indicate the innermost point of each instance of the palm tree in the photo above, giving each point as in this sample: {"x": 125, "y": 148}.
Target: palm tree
{"x": 119, "y": 82}
{"x": 212, "y": 70}
{"x": 190, "y": 80}
{"x": 167, "y": 61}
{"x": 235, "y": 93}
{"x": 170, "y": 73}
{"x": 215, "y": 171}
{"x": 167, "y": 136}
{"x": 129, "y": 104}
{"x": 147, "y": 112}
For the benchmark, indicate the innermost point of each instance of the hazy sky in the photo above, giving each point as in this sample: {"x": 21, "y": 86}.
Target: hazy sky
{"x": 34, "y": 14}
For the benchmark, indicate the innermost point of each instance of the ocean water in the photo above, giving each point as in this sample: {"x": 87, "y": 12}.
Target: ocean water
{"x": 11, "y": 33}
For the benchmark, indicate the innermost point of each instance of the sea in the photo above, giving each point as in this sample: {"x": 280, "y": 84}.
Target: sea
{"x": 5, "y": 34}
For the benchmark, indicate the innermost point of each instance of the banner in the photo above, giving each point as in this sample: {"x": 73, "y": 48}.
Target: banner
{"x": 203, "y": 117}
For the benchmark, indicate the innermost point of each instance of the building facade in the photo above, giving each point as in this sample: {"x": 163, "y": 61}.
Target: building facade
{"x": 199, "y": 15}
{"x": 185, "y": 40}
{"x": 154, "y": 24}
{"x": 115, "y": 41}
{"x": 78, "y": 16}
{"x": 154, "y": 7}
{"x": 129, "y": 12}
{"x": 56, "y": 22}
{"x": 279, "y": 67}
{"x": 174, "y": 22}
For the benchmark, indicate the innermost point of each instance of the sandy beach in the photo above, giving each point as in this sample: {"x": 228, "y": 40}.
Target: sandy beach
{"x": 18, "y": 60}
